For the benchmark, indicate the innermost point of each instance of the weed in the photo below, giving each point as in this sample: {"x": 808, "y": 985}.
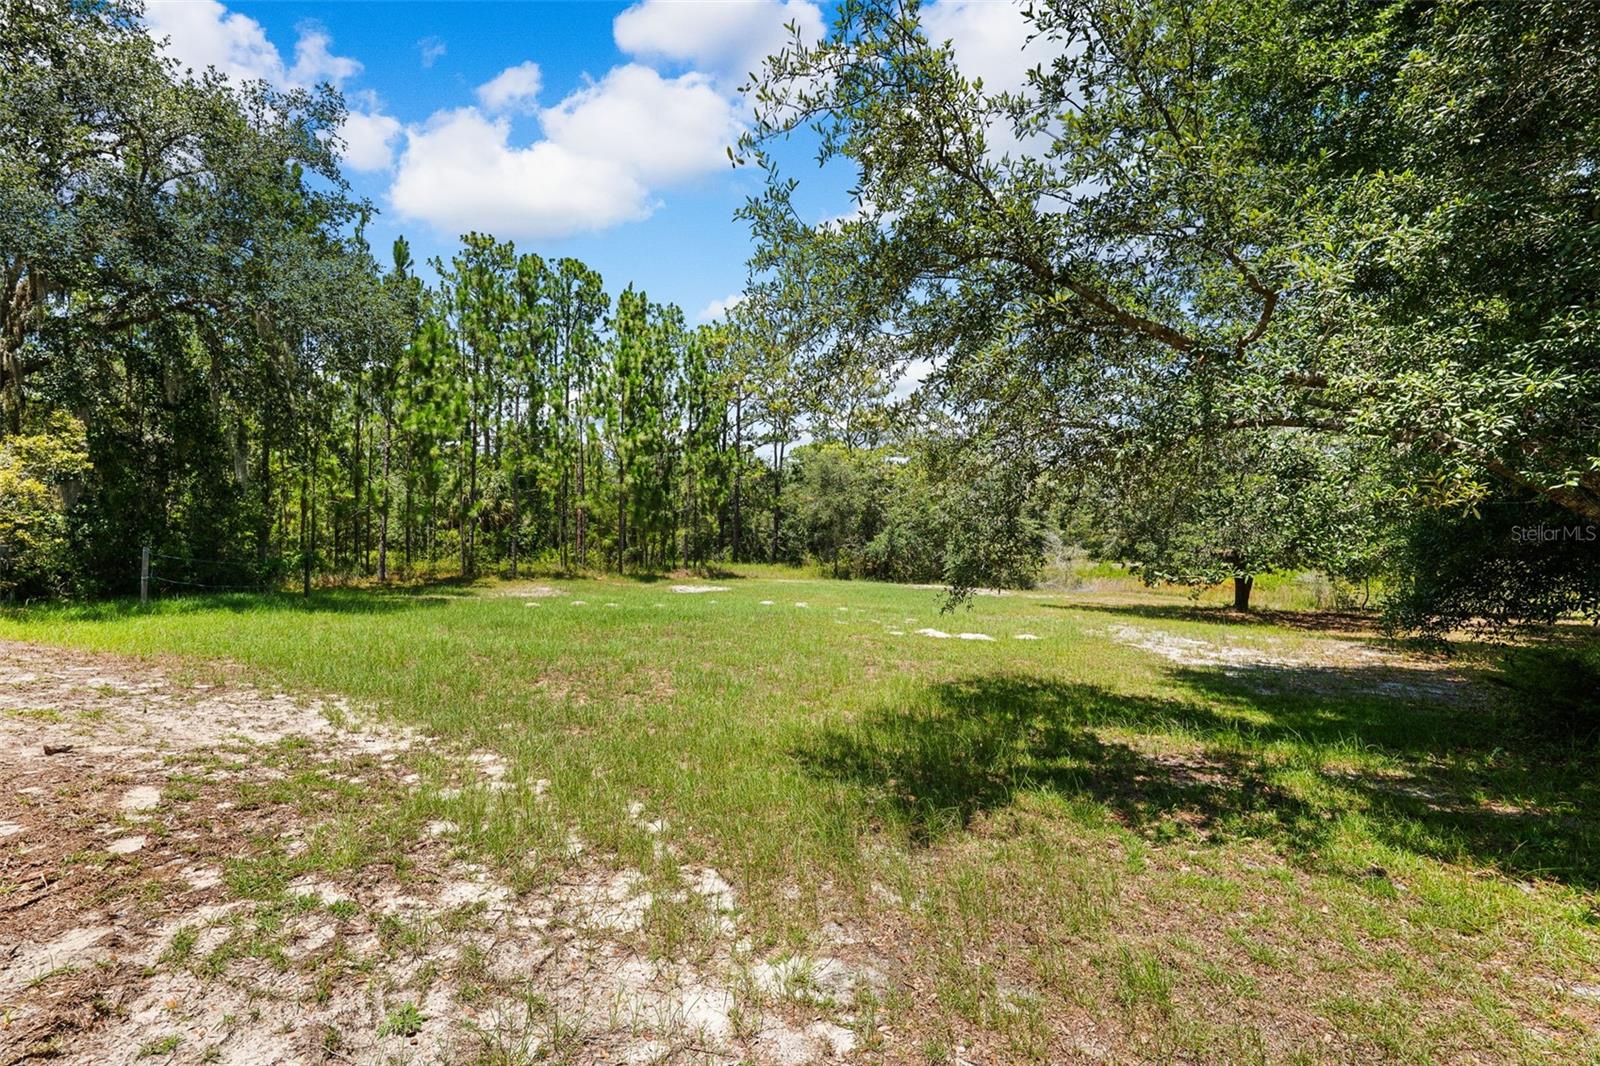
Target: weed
{"x": 403, "y": 1020}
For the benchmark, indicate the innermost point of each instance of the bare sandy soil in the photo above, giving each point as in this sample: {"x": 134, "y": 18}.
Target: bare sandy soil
{"x": 1323, "y": 665}
{"x": 134, "y": 925}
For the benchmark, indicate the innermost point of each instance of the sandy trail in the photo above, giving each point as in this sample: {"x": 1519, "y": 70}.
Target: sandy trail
{"x": 133, "y": 926}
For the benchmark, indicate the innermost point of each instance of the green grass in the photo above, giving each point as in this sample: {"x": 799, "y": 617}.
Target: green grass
{"x": 1258, "y": 864}
{"x": 402, "y": 1020}
{"x": 164, "y": 1046}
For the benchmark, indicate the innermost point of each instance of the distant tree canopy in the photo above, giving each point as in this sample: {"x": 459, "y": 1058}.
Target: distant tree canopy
{"x": 1373, "y": 223}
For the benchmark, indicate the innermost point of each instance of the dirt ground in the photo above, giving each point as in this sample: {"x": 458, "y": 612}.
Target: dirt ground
{"x": 152, "y": 908}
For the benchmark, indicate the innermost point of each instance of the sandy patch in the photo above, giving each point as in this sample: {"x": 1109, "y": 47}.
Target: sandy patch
{"x": 425, "y": 958}
{"x": 692, "y": 590}
{"x": 527, "y": 592}
{"x": 1270, "y": 662}
{"x": 126, "y": 845}
{"x": 141, "y": 798}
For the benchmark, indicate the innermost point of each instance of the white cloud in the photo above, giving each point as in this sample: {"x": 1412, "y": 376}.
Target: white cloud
{"x": 728, "y": 39}
{"x": 431, "y": 49}
{"x": 719, "y": 308}
{"x": 605, "y": 148}
{"x": 912, "y": 377}
{"x": 460, "y": 172}
{"x": 204, "y": 33}
{"x": 315, "y": 62}
{"x": 515, "y": 88}
{"x": 990, "y": 40}
{"x": 658, "y": 129}
{"x": 369, "y": 140}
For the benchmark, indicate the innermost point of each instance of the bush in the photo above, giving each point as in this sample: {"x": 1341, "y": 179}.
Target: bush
{"x": 38, "y": 475}
{"x": 1555, "y": 690}
{"x": 1494, "y": 570}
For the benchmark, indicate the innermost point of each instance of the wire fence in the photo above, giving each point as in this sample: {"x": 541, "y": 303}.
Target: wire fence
{"x": 157, "y": 579}
{"x": 188, "y": 573}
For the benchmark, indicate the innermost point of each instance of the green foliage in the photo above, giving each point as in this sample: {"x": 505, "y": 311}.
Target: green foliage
{"x": 1552, "y": 691}
{"x": 878, "y": 514}
{"x": 1233, "y": 507}
{"x": 404, "y": 1020}
{"x": 178, "y": 272}
{"x": 184, "y": 269}
{"x": 837, "y": 499}
{"x": 1373, "y": 222}
{"x": 39, "y": 472}
{"x": 1515, "y": 564}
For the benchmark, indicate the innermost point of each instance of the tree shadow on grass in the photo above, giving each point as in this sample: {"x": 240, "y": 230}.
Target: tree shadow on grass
{"x": 980, "y": 741}
{"x": 1267, "y": 765}
{"x": 1353, "y": 623}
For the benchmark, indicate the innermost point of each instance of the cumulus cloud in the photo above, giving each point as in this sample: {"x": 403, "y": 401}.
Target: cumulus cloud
{"x": 990, "y": 40}
{"x": 728, "y": 39}
{"x": 990, "y": 43}
{"x": 204, "y": 33}
{"x": 461, "y": 172}
{"x": 658, "y": 129}
{"x": 369, "y": 140}
{"x": 606, "y": 148}
{"x": 719, "y": 308}
{"x": 515, "y": 88}
{"x": 315, "y": 62}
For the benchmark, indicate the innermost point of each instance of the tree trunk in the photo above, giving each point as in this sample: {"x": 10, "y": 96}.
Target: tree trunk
{"x": 516, "y": 519}
{"x": 308, "y": 520}
{"x": 777, "y": 497}
{"x": 581, "y": 548}
{"x": 738, "y": 471}
{"x": 1241, "y": 592}
{"x": 264, "y": 536}
{"x": 383, "y": 520}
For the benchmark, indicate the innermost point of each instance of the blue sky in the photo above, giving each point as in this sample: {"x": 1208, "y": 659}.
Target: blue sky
{"x": 587, "y": 129}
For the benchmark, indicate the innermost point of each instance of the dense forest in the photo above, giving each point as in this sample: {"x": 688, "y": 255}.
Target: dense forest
{"x": 1196, "y": 303}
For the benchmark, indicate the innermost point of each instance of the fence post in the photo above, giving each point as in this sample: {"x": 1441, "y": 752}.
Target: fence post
{"x": 144, "y": 576}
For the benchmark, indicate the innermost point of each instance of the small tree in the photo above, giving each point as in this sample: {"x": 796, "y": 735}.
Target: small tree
{"x": 836, "y": 498}
{"x": 1202, "y": 512}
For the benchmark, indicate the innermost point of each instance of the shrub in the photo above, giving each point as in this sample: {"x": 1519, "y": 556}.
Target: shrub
{"x": 1555, "y": 689}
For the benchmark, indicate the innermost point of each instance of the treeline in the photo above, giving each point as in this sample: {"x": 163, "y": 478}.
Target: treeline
{"x": 201, "y": 355}
{"x": 528, "y": 415}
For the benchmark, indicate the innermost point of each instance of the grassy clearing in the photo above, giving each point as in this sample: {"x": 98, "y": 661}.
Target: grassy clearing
{"x": 1296, "y": 845}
